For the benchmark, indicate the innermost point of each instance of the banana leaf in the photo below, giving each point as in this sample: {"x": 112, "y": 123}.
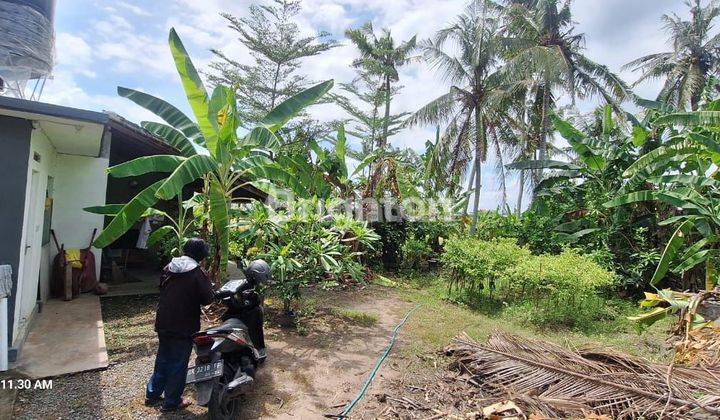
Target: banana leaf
{"x": 145, "y": 165}
{"x": 671, "y": 249}
{"x": 167, "y": 112}
{"x": 158, "y": 234}
{"x": 128, "y": 215}
{"x": 576, "y": 139}
{"x": 262, "y": 137}
{"x": 639, "y": 136}
{"x": 171, "y": 136}
{"x": 114, "y": 209}
{"x": 711, "y": 118}
{"x": 194, "y": 90}
{"x": 292, "y": 106}
{"x": 695, "y": 259}
{"x": 191, "y": 169}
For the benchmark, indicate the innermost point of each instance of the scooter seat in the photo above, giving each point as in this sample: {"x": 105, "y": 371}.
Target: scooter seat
{"x": 228, "y": 326}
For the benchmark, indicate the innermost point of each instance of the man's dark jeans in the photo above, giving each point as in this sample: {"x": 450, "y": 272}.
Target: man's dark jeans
{"x": 171, "y": 365}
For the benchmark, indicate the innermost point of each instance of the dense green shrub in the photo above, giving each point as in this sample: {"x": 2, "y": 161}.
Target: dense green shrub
{"x": 392, "y": 237}
{"x": 564, "y": 288}
{"x": 561, "y": 289}
{"x": 433, "y": 233}
{"x": 416, "y": 254}
{"x": 492, "y": 224}
{"x": 476, "y": 264}
{"x": 303, "y": 249}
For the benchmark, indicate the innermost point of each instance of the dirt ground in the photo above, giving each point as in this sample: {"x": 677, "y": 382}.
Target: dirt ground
{"x": 310, "y": 372}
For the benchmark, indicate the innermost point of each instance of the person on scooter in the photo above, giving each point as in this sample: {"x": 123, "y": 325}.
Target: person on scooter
{"x": 184, "y": 289}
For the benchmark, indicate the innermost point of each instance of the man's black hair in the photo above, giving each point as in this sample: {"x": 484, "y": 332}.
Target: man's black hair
{"x": 196, "y": 249}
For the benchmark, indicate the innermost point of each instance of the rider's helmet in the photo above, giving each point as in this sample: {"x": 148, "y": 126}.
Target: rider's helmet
{"x": 258, "y": 272}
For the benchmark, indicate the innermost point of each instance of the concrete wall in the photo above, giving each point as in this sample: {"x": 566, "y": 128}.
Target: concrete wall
{"x": 34, "y": 260}
{"x": 79, "y": 182}
{"x": 15, "y": 141}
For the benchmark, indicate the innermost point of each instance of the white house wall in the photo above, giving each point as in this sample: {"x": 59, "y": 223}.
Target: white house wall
{"x": 27, "y": 294}
{"x": 80, "y": 182}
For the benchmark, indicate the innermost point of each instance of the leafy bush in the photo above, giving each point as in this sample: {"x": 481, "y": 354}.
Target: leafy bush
{"x": 559, "y": 289}
{"x": 303, "y": 249}
{"x": 476, "y": 265}
{"x": 492, "y": 224}
{"x": 416, "y": 254}
{"x": 564, "y": 288}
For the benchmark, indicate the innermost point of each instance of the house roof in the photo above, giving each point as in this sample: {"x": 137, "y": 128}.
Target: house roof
{"x": 134, "y": 140}
{"x": 41, "y": 108}
{"x": 141, "y": 138}
{"x": 142, "y": 141}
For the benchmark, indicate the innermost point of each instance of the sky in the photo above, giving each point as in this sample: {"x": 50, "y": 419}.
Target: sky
{"x": 102, "y": 44}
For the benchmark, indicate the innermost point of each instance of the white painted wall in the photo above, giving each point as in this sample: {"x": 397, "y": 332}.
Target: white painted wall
{"x": 80, "y": 182}
{"x": 30, "y": 267}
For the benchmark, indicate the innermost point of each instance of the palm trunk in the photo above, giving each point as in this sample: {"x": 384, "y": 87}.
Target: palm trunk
{"x": 544, "y": 125}
{"x": 521, "y": 191}
{"x": 710, "y": 274}
{"x": 386, "y": 122}
{"x": 470, "y": 182}
{"x": 479, "y": 142}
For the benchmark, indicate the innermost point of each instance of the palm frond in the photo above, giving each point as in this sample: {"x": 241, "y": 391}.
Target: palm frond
{"x": 561, "y": 383}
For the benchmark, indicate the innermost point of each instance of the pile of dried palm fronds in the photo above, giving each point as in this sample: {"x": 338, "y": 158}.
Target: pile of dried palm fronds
{"x": 547, "y": 379}
{"x": 696, "y": 337}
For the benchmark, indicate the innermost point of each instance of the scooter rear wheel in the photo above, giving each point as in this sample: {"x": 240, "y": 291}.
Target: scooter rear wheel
{"x": 223, "y": 410}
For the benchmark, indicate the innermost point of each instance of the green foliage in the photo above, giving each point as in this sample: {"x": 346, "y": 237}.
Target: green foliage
{"x": 228, "y": 163}
{"x": 416, "y": 254}
{"x": 478, "y": 265}
{"x": 681, "y": 172}
{"x": 563, "y": 288}
{"x": 302, "y": 249}
{"x": 559, "y": 289}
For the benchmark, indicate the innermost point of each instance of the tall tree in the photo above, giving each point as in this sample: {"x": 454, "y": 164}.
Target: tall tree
{"x": 473, "y": 111}
{"x": 362, "y": 102}
{"x": 277, "y": 46}
{"x": 380, "y": 57}
{"x": 544, "y": 51}
{"x": 693, "y": 59}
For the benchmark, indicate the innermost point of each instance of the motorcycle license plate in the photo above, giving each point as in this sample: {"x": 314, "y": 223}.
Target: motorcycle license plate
{"x": 204, "y": 372}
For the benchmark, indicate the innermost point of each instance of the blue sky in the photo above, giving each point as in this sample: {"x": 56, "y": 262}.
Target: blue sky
{"x": 102, "y": 44}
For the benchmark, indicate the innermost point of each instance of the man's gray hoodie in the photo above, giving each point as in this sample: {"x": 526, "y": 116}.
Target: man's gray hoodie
{"x": 184, "y": 288}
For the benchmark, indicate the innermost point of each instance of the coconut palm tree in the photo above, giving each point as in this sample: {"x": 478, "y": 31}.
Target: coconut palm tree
{"x": 544, "y": 51}
{"x": 466, "y": 55}
{"x": 381, "y": 57}
{"x": 693, "y": 59}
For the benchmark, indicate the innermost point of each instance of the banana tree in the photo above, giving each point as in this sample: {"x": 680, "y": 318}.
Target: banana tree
{"x": 684, "y": 175}
{"x": 598, "y": 154}
{"x": 211, "y": 151}
{"x": 181, "y": 226}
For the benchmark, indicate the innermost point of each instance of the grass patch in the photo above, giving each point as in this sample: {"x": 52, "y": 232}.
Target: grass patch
{"x": 363, "y": 319}
{"x": 440, "y": 320}
{"x": 129, "y": 325}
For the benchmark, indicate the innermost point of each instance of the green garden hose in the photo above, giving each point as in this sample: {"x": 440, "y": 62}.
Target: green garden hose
{"x": 375, "y": 370}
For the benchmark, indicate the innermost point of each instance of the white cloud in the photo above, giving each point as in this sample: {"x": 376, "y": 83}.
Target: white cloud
{"x": 136, "y": 10}
{"x": 75, "y": 53}
{"x": 123, "y": 46}
{"x": 63, "y": 89}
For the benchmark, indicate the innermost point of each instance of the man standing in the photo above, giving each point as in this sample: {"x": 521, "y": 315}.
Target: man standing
{"x": 184, "y": 288}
